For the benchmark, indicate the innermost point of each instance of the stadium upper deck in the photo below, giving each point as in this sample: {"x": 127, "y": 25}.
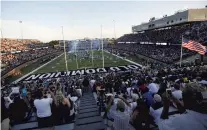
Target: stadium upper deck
{"x": 190, "y": 15}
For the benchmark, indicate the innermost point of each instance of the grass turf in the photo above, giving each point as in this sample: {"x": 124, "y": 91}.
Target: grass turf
{"x": 59, "y": 64}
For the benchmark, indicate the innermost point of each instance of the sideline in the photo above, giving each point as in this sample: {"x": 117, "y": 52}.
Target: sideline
{"x": 124, "y": 58}
{"x": 19, "y": 79}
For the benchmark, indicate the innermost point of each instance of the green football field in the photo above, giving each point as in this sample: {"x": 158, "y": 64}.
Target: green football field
{"x": 59, "y": 64}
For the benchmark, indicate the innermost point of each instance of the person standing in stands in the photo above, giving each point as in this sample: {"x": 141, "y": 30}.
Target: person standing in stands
{"x": 140, "y": 118}
{"x": 24, "y": 95}
{"x": 177, "y": 93}
{"x": 92, "y": 82}
{"x": 4, "y": 116}
{"x": 18, "y": 110}
{"x": 64, "y": 106}
{"x": 120, "y": 115}
{"x": 43, "y": 106}
{"x": 85, "y": 84}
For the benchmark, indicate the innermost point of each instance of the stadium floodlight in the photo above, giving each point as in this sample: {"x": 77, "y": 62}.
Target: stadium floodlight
{"x": 114, "y": 30}
{"x": 21, "y": 30}
{"x": 1, "y": 34}
{"x": 66, "y": 63}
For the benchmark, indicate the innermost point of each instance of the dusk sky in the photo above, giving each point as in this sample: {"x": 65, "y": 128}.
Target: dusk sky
{"x": 43, "y": 20}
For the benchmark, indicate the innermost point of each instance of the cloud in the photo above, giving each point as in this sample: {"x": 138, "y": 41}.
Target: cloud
{"x": 31, "y": 30}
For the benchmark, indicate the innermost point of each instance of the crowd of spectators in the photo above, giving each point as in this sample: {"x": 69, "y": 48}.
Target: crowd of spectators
{"x": 168, "y": 98}
{"x": 10, "y": 61}
{"x": 15, "y": 52}
{"x": 51, "y": 101}
{"x": 164, "y": 53}
{"x": 9, "y": 45}
{"x": 136, "y": 43}
{"x": 173, "y": 35}
{"x": 198, "y": 32}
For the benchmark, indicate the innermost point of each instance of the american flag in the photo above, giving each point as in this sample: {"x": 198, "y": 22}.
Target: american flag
{"x": 194, "y": 46}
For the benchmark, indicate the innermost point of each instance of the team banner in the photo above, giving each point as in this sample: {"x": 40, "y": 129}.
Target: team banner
{"x": 81, "y": 72}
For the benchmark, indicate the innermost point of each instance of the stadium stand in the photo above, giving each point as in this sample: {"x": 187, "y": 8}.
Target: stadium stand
{"x": 149, "y": 98}
{"x": 16, "y": 52}
{"x": 134, "y": 88}
{"x": 166, "y": 54}
{"x": 173, "y": 34}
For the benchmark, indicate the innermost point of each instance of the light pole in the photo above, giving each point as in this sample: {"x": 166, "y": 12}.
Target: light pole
{"x": 21, "y": 30}
{"x": 114, "y": 30}
{"x": 1, "y": 34}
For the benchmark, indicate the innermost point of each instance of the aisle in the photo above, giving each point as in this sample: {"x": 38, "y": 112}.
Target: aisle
{"x": 88, "y": 117}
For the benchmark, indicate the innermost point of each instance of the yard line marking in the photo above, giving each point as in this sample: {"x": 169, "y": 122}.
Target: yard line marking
{"x": 124, "y": 58}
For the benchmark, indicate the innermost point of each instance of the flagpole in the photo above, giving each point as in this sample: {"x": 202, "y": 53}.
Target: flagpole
{"x": 66, "y": 63}
{"x": 102, "y": 47}
{"x": 181, "y": 52}
{"x": 92, "y": 53}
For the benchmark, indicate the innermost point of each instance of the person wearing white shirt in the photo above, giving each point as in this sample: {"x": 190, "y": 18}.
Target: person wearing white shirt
{"x": 153, "y": 88}
{"x": 177, "y": 93}
{"x": 187, "y": 117}
{"x": 119, "y": 110}
{"x": 43, "y": 106}
{"x": 92, "y": 82}
{"x": 121, "y": 117}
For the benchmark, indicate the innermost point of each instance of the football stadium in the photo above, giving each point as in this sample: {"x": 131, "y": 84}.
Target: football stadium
{"x": 153, "y": 78}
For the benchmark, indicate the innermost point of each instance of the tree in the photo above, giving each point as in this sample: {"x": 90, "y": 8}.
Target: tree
{"x": 54, "y": 42}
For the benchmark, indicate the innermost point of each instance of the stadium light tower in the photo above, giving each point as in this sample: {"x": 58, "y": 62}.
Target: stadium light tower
{"x": 1, "y": 34}
{"x": 114, "y": 30}
{"x": 66, "y": 63}
{"x": 21, "y": 30}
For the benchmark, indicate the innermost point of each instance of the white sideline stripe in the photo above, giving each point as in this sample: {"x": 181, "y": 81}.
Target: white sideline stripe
{"x": 16, "y": 81}
{"x": 124, "y": 59}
